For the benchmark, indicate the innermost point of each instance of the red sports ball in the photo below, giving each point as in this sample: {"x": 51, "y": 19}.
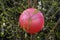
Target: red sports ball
{"x": 31, "y": 20}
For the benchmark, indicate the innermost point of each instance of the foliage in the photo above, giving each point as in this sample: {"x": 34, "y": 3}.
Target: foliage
{"x": 9, "y": 20}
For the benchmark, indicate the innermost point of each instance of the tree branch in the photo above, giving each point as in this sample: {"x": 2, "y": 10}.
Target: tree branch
{"x": 53, "y": 28}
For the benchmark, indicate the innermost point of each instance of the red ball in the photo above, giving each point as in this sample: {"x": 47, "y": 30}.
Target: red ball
{"x": 31, "y": 20}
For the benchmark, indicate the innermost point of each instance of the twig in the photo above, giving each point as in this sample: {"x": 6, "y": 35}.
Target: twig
{"x": 35, "y": 2}
{"x": 53, "y": 28}
{"x": 28, "y": 3}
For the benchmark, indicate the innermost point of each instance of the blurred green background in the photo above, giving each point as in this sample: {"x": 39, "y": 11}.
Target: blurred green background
{"x": 9, "y": 23}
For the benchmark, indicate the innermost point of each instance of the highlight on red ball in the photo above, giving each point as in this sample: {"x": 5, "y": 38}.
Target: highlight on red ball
{"x": 31, "y": 20}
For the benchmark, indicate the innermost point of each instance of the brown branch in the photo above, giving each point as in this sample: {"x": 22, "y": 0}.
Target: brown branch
{"x": 35, "y": 2}
{"x": 53, "y": 28}
{"x": 29, "y": 3}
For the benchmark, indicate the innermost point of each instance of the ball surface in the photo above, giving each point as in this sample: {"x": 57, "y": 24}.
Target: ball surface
{"x": 31, "y": 20}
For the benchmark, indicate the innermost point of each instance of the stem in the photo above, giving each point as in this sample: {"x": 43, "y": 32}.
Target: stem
{"x": 53, "y": 28}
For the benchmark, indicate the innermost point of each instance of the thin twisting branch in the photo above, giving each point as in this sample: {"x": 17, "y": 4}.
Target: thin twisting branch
{"x": 53, "y": 28}
{"x": 56, "y": 24}
{"x": 28, "y": 3}
{"x": 35, "y": 2}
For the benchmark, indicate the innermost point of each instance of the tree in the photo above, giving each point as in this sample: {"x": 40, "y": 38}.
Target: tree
{"x": 9, "y": 15}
